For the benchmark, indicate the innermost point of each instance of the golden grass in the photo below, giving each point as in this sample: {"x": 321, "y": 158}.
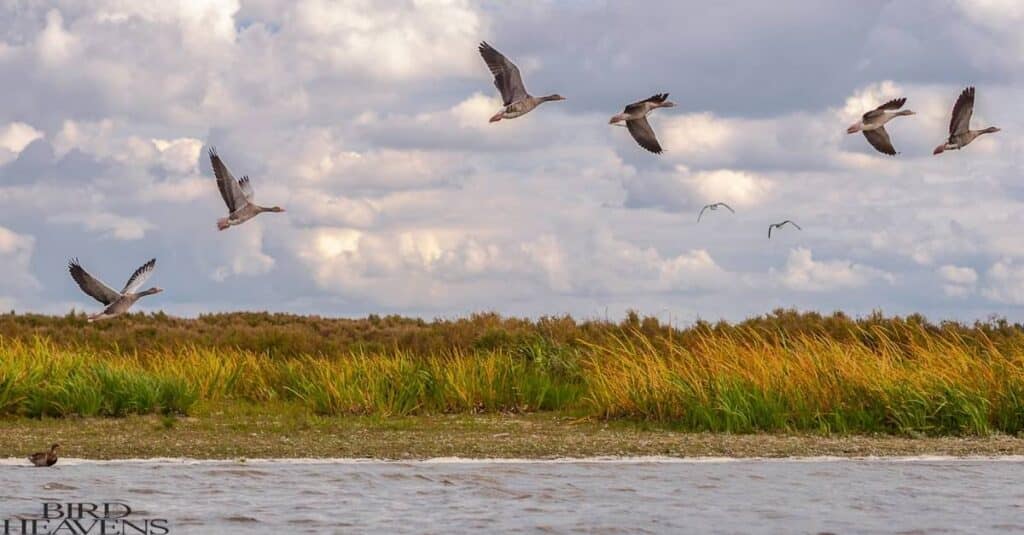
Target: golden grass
{"x": 893, "y": 376}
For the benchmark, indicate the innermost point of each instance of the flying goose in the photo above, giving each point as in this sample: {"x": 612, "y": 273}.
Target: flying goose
{"x": 873, "y": 122}
{"x": 517, "y": 102}
{"x": 635, "y": 116}
{"x": 117, "y": 302}
{"x": 960, "y": 134}
{"x": 237, "y": 194}
{"x": 780, "y": 225}
{"x": 713, "y": 207}
{"x": 45, "y": 458}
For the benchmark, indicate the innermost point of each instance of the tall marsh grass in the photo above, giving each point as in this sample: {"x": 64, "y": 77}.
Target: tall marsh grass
{"x": 786, "y": 372}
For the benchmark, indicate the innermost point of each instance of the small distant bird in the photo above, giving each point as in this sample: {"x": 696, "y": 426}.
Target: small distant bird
{"x": 45, "y": 458}
{"x": 873, "y": 122}
{"x": 780, "y": 225}
{"x": 713, "y": 207}
{"x": 635, "y": 116}
{"x": 960, "y": 133}
{"x": 117, "y": 302}
{"x": 237, "y": 194}
{"x": 517, "y": 102}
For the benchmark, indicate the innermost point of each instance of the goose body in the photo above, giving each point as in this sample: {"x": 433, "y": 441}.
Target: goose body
{"x": 872, "y": 124}
{"x": 635, "y": 117}
{"x": 516, "y": 100}
{"x": 45, "y": 458}
{"x": 237, "y": 194}
{"x": 117, "y": 302}
{"x": 960, "y": 133}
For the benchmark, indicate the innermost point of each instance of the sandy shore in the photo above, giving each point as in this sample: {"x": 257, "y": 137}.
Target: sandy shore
{"x": 276, "y": 432}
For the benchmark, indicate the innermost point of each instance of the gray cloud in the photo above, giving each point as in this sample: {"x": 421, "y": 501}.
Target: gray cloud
{"x": 369, "y": 123}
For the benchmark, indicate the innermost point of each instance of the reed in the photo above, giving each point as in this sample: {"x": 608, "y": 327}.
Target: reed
{"x": 786, "y": 373}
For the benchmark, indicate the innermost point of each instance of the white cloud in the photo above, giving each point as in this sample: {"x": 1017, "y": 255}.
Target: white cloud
{"x": 803, "y": 273}
{"x": 959, "y": 281}
{"x": 15, "y": 136}
{"x": 16, "y": 256}
{"x": 242, "y": 251}
{"x": 107, "y": 224}
{"x": 368, "y": 122}
{"x": 1005, "y": 282}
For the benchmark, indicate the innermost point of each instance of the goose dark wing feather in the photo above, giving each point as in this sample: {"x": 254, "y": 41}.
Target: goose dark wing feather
{"x": 230, "y": 191}
{"x": 879, "y": 139}
{"x": 893, "y": 104}
{"x": 960, "y": 122}
{"x": 638, "y": 105}
{"x": 506, "y": 75}
{"x": 92, "y": 286}
{"x": 642, "y": 132}
{"x": 139, "y": 277}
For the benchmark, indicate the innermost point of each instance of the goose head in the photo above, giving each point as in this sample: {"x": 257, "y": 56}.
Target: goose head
{"x": 855, "y": 127}
{"x": 554, "y": 97}
{"x": 276, "y": 209}
{"x": 54, "y": 447}
{"x": 940, "y": 149}
{"x": 991, "y": 130}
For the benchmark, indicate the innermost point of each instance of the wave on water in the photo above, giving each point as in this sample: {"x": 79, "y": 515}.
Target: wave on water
{"x": 18, "y": 461}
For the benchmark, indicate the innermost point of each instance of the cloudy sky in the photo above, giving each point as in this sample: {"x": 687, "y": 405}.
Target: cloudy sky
{"x": 367, "y": 120}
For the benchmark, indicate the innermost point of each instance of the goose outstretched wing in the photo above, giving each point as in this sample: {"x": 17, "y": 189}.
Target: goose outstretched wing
{"x": 639, "y": 105}
{"x": 879, "y": 139}
{"x": 230, "y": 189}
{"x": 246, "y": 187}
{"x": 642, "y": 132}
{"x": 92, "y": 286}
{"x": 506, "y": 75}
{"x": 962, "y": 111}
{"x": 893, "y": 104}
{"x": 139, "y": 277}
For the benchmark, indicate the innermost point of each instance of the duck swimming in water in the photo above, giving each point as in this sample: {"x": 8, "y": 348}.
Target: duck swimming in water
{"x": 45, "y": 458}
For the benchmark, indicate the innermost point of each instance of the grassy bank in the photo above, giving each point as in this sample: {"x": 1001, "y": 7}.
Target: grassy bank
{"x": 786, "y": 372}
{"x": 234, "y": 430}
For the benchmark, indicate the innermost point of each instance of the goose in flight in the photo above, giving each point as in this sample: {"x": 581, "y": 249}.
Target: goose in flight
{"x": 237, "y": 194}
{"x": 873, "y": 122}
{"x": 780, "y": 225}
{"x": 117, "y": 302}
{"x": 960, "y": 133}
{"x": 45, "y": 458}
{"x": 635, "y": 116}
{"x": 713, "y": 207}
{"x": 516, "y": 101}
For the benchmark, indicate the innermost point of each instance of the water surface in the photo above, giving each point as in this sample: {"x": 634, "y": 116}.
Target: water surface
{"x": 619, "y": 496}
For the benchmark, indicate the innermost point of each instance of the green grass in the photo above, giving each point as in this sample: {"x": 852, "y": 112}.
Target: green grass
{"x": 782, "y": 373}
